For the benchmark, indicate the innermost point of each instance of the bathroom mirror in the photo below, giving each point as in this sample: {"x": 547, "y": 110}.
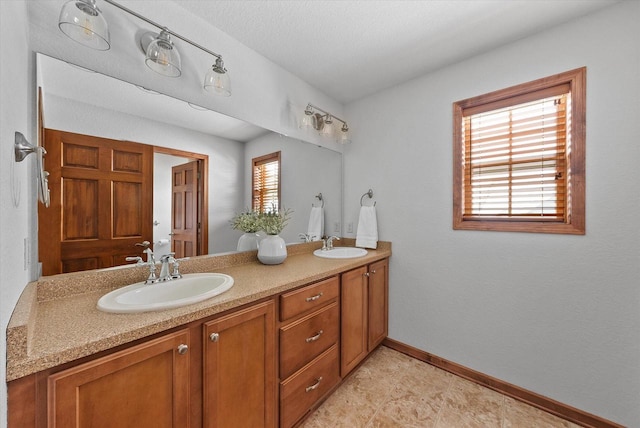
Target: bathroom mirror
{"x": 81, "y": 101}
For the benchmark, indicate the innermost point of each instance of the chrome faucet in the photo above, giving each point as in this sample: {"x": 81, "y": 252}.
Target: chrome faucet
{"x": 327, "y": 244}
{"x": 151, "y": 262}
{"x": 165, "y": 274}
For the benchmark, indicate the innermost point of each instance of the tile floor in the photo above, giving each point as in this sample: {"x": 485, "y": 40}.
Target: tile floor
{"x": 393, "y": 390}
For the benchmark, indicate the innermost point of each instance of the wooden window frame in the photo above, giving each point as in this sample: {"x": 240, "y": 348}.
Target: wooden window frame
{"x": 271, "y": 157}
{"x": 574, "y": 221}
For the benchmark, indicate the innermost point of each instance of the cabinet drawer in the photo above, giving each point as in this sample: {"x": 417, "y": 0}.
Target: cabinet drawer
{"x": 302, "y": 390}
{"x": 306, "y": 338}
{"x": 308, "y": 298}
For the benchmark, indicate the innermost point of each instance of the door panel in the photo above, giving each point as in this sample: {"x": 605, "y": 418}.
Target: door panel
{"x": 101, "y": 202}
{"x": 185, "y": 217}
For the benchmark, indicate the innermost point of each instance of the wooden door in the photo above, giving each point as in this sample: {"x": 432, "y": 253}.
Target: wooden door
{"x": 378, "y": 303}
{"x": 239, "y": 385}
{"x": 144, "y": 386}
{"x": 101, "y": 202}
{"x": 354, "y": 302}
{"x": 186, "y": 214}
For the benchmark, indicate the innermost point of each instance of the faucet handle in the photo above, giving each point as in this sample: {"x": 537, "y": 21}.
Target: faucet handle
{"x": 168, "y": 258}
{"x": 144, "y": 244}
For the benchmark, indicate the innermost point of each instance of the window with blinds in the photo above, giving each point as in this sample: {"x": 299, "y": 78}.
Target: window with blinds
{"x": 520, "y": 158}
{"x": 266, "y": 183}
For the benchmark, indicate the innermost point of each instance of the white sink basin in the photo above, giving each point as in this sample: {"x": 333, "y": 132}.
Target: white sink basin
{"x": 341, "y": 253}
{"x": 191, "y": 288}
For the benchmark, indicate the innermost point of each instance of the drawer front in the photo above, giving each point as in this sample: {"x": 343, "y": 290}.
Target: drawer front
{"x": 306, "y": 338}
{"x": 308, "y": 298}
{"x": 302, "y": 390}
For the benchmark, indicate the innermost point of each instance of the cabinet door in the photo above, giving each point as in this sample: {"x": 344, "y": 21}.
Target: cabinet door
{"x": 378, "y": 303}
{"x": 354, "y": 302}
{"x": 239, "y": 384}
{"x": 146, "y": 385}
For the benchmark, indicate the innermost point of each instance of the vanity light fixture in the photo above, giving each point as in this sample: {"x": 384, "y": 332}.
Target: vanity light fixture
{"x": 162, "y": 56}
{"x": 217, "y": 79}
{"x": 323, "y": 123}
{"x": 82, "y": 21}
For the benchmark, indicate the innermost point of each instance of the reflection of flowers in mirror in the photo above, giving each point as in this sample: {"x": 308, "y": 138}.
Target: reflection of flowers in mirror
{"x": 273, "y": 222}
{"x": 247, "y": 221}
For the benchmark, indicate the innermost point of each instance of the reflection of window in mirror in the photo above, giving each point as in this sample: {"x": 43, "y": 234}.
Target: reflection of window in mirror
{"x": 265, "y": 182}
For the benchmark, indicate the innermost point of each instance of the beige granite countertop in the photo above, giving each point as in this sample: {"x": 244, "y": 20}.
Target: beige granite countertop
{"x": 56, "y": 320}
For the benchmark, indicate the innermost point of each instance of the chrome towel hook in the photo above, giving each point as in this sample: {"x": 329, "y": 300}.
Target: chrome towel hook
{"x": 370, "y": 195}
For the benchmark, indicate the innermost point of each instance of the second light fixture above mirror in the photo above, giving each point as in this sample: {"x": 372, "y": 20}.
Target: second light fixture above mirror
{"x": 324, "y": 124}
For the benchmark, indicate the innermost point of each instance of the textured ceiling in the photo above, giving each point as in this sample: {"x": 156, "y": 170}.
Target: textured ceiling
{"x": 352, "y": 48}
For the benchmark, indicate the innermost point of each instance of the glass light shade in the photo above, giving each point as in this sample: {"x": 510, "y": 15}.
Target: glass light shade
{"x": 343, "y": 138}
{"x": 308, "y": 121}
{"x": 162, "y": 57}
{"x": 217, "y": 81}
{"x": 82, "y": 21}
{"x": 328, "y": 128}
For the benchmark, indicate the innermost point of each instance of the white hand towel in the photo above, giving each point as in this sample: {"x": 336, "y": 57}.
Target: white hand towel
{"x": 315, "y": 230}
{"x": 367, "y": 233}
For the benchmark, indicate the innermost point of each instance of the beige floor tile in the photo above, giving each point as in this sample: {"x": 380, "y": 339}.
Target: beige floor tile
{"x": 392, "y": 390}
{"x": 470, "y": 405}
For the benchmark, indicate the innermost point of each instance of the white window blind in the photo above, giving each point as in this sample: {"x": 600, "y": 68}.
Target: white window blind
{"x": 515, "y": 157}
{"x": 266, "y": 183}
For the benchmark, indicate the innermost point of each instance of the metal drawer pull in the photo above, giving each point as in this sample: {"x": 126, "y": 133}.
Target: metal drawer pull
{"x": 314, "y": 338}
{"x": 316, "y": 297}
{"x": 366, "y": 274}
{"x": 373, "y": 271}
{"x": 314, "y": 386}
{"x": 182, "y": 349}
{"x": 214, "y": 337}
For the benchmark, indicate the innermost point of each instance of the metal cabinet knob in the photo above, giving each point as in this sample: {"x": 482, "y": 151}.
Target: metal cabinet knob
{"x": 182, "y": 349}
{"x": 214, "y": 337}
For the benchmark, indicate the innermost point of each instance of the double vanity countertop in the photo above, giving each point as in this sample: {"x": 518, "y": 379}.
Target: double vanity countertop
{"x": 56, "y": 320}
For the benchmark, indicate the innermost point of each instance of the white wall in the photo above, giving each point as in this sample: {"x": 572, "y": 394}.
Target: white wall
{"x": 306, "y": 170}
{"x": 226, "y": 157}
{"x": 17, "y": 69}
{"x": 558, "y": 315}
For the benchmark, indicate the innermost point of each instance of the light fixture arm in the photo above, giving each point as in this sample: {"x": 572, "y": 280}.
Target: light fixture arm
{"x": 162, "y": 27}
{"x": 326, "y": 113}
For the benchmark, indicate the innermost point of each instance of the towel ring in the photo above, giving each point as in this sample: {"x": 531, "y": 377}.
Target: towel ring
{"x": 370, "y": 195}
{"x": 320, "y": 198}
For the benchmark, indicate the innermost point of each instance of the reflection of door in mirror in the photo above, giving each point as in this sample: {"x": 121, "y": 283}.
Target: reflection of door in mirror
{"x": 184, "y": 204}
{"x": 101, "y": 196}
{"x": 102, "y": 202}
{"x": 180, "y": 202}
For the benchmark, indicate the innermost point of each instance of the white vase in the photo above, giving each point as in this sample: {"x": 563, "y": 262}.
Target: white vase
{"x": 272, "y": 250}
{"x": 248, "y": 242}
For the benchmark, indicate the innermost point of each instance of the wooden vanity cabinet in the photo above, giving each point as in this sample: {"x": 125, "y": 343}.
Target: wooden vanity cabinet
{"x": 239, "y": 371}
{"x": 364, "y": 312}
{"x": 243, "y": 368}
{"x": 146, "y": 385}
{"x": 309, "y": 347}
